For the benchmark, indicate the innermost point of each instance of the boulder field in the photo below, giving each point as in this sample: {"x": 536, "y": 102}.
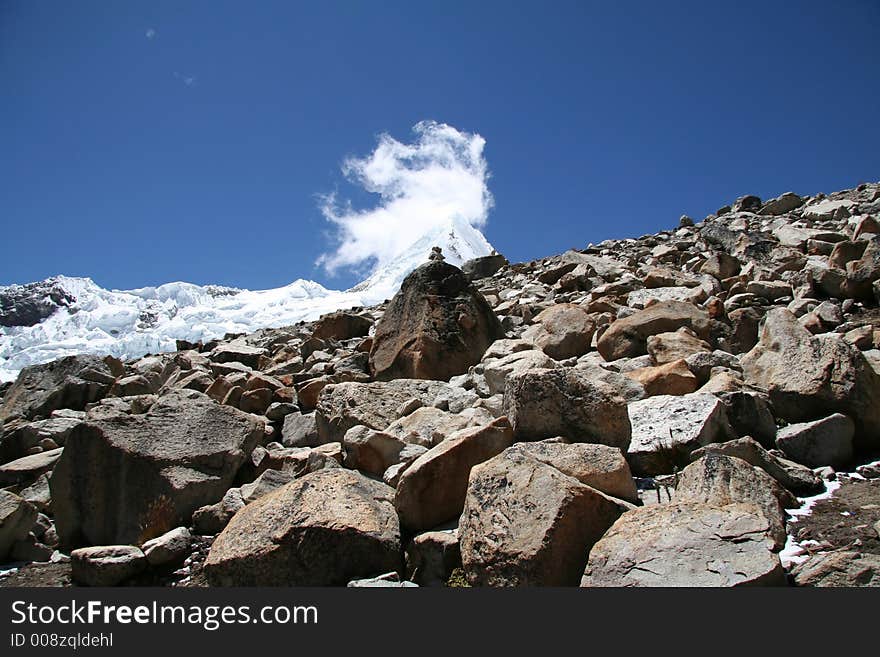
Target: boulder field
{"x": 639, "y": 412}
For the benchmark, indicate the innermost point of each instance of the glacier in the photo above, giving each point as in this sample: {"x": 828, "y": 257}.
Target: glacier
{"x": 131, "y": 323}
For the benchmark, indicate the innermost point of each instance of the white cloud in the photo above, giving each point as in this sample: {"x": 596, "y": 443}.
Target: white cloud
{"x": 440, "y": 176}
{"x": 188, "y": 80}
{"x": 150, "y": 33}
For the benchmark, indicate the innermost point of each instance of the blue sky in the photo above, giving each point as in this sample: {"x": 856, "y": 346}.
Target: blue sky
{"x": 145, "y": 142}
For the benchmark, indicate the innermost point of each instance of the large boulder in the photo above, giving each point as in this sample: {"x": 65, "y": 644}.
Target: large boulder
{"x": 484, "y": 266}
{"x": 432, "y": 490}
{"x": 628, "y": 336}
{"x": 435, "y": 327}
{"x": 375, "y": 405}
{"x": 720, "y": 480}
{"x": 809, "y": 377}
{"x": 70, "y": 382}
{"x": 129, "y": 478}
{"x": 525, "y": 523}
{"x": 667, "y": 428}
{"x": 324, "y": 529}
{"x": 562, "y": 331}
{"x": 566, "y": 402}
{"x": 686, "y": 544}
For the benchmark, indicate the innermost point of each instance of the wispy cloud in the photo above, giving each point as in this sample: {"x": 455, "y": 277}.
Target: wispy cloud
{"x": 150, "y": 33}
{"x": 440, "y": 176}
{"x": 188, "y": 80}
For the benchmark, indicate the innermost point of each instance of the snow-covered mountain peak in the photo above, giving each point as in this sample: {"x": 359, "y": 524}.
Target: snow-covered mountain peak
{"x": 65, "y": 315}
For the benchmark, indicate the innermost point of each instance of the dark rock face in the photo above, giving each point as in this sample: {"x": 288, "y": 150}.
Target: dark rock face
{"x": 28, "y": 305}
{"x": 341, "y": 326}
{"x": 124, "y": 479}
{"x": 70, "y": 382}
{"x": 483, "y": 267}
{"x": 435, "y": 327}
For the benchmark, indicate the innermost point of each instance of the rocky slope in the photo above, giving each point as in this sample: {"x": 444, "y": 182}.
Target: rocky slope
{"x": 642, "y": 412}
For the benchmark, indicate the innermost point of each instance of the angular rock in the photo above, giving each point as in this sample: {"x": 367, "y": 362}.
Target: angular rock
{"x": 17, "y": 517}
{"x": 673, "y": 378}
{"x": 809, "y": 377}
{"x": 599, "y": 466}
{"x": 497, "y": 370}
{"x": 686, "y": 545}
{"x": 668, "y": 347}
{"x": 25, "y": 470}
{"x": 666, "y": 429}
{"x": 719, "y": 480}
{"x": 231, "y": 352}
{"x": 525, "y": 523}
{"x": 70, "y": 382}
{"x": 435, "y": 327}
{"x": 428, "y": 426}
{"x": 300, "y": 430}
{"x": 341, "y": 326}
{"x": 371, "y": 451}
{"x": 345, "y": 405}
{"x": 564, "y": 330}
{"x": 432, "y": 490}
{"x": 212, "y": 518}
{"x": 566, "y": 402}
{"x": 629, "y": 336}
{"x": 432, "y": 556}
{"x": 106, "y": 565}
{"x": 129, "y": 478}
{"x": 484, "y": 266}
{"x": 841, "y": 568}
{"x": 325, "y": 529}
{"x": 828, "y": 441}
{"x": 169, "y": 548}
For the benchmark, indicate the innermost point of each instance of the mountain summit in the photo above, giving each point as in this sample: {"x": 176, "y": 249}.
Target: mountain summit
{"x": 62, "y": 316}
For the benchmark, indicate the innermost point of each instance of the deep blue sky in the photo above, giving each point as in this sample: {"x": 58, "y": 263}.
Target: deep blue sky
{"x": 602, "y": 119}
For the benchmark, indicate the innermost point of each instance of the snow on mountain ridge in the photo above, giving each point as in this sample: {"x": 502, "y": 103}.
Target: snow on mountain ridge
{"x": 130, "y": 323}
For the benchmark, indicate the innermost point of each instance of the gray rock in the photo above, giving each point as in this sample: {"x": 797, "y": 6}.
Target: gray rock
{"x": 106, "y": 565}
{"x": 828, "y": 441}
{"x": 169, "y": 548}
{"x": 497, "y": 370}
{"x": 17, "y": 517}
{"x": 129, "y": 478}
{"x": 797, "y": 478}
{"x": 666, "y": 429}
{"x": 345, "y": 405}
{"x": 719, "y": 480}
{"x": 831, "y": 376}
{"x": 686, "y": 545}
{"x": 841, "y": 568}
{"x": 326, "y": 528}
{"x": 70, "y": 382}
{"x": 432, "y": 556}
